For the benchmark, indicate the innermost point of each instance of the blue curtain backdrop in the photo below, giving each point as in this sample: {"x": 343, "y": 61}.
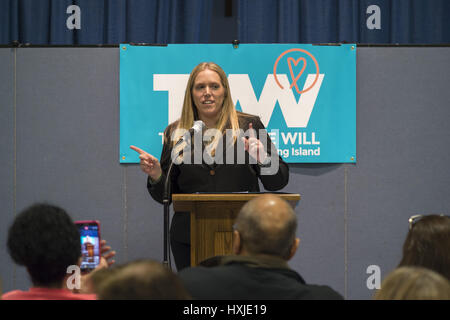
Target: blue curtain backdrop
{"x": 44, "y": 22}
{"x": 333, "y": 21}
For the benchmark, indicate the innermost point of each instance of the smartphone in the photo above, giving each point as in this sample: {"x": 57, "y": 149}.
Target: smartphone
{"x": 90, "y": 244}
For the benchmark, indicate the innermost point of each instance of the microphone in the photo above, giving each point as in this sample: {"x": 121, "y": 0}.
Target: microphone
{"x": 183, "y": 141}
{"x": 196, "y": 128}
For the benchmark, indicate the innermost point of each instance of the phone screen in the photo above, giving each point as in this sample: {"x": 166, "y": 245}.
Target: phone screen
{"x": 90, "y": 245}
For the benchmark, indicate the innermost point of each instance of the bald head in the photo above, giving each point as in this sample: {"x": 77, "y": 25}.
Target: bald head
{"x": 267, "y": 225}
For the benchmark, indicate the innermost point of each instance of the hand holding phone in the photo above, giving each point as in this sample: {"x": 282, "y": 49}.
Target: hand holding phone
{"x": 90, "y": 244}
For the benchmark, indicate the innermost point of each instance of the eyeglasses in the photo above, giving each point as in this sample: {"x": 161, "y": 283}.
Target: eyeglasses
{"x": 414, "y": 219}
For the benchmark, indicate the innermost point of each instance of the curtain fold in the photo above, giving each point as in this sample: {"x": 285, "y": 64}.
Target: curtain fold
{"x": 8, "y": 19}
{"x": 93, "y": 22}
{"x": 334, "y": 21}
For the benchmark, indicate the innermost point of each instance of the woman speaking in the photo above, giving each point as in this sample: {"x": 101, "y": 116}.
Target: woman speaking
{"x": 225, "y": 132}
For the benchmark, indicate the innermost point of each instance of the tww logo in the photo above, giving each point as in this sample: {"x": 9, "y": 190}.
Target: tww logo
{"x": 277, "y": 88}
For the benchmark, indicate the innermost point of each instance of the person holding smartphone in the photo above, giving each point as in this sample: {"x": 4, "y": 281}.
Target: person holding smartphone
{"x": 208, "y": 98}
{"x": 90, "y": 244}
{"x": 44, "y": 239}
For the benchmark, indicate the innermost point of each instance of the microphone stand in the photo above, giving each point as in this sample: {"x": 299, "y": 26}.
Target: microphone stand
{"x": 166, "y": 204}
{"x": 198, "y": 125}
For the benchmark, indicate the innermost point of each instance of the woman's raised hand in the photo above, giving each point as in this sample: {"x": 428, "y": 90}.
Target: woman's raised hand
{"x": 254, "y": 146}
{"x": 149, "y": 164}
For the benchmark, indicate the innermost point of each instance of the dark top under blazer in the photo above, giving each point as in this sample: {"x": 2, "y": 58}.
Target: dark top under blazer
{"x": 191, "y": 178}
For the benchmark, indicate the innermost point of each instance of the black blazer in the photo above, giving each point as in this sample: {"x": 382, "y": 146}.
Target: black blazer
{"x": 192, "y": 178}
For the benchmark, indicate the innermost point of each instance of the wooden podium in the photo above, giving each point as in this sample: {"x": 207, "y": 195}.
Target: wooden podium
{"x": 212, "y": 218}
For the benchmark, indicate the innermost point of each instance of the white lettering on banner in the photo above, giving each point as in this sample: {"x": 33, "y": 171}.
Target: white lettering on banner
{"x": 305, "y": 152}
{"x": 73, "y": 21}
{"x": 175, "y": 84}
{"x": 296, "y": 114}
{"x": 373, "y": 21}
{"x": 283, "y": 153}
{"x": 374, "y": 280}
{"x": 292, "y": 137}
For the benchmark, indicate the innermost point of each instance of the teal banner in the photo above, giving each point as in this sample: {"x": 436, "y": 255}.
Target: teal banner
{"x": 305, "y": 95}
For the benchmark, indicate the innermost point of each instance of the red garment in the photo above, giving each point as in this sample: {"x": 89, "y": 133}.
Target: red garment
{"x": 46, "y": 294}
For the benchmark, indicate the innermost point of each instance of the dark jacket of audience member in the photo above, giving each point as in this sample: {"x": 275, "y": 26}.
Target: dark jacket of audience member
{"x": 252, "y": 277}
{"x": 263, "y": 241}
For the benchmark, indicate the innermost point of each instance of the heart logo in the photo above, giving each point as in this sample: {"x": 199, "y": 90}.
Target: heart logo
{"x": 307, "y": 55}
{"x": 295, "y": 78}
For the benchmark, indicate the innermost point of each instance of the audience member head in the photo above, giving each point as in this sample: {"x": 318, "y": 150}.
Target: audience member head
{"x": 428, "y": 244}
{"x": 414, "y": 283}
{"x": 45, "y": 240}
{"x": 95, "y": 279}
{"x": 142, "y": 280}
{"x": 266, "y": 225}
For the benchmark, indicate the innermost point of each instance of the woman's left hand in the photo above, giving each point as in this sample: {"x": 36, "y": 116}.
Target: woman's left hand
{"x": 254, "y": 147}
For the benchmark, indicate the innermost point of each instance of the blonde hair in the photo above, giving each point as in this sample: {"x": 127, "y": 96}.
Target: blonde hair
{"x": 414, "y": 283}
{"x": 228, "y": 118}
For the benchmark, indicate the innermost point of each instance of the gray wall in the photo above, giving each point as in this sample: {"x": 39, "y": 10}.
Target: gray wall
{"x": 59, "y": 122}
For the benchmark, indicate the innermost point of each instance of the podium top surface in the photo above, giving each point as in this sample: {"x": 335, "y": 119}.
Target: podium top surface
{"x": 229, "y": 196}
{"x": 193, "y": 201}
